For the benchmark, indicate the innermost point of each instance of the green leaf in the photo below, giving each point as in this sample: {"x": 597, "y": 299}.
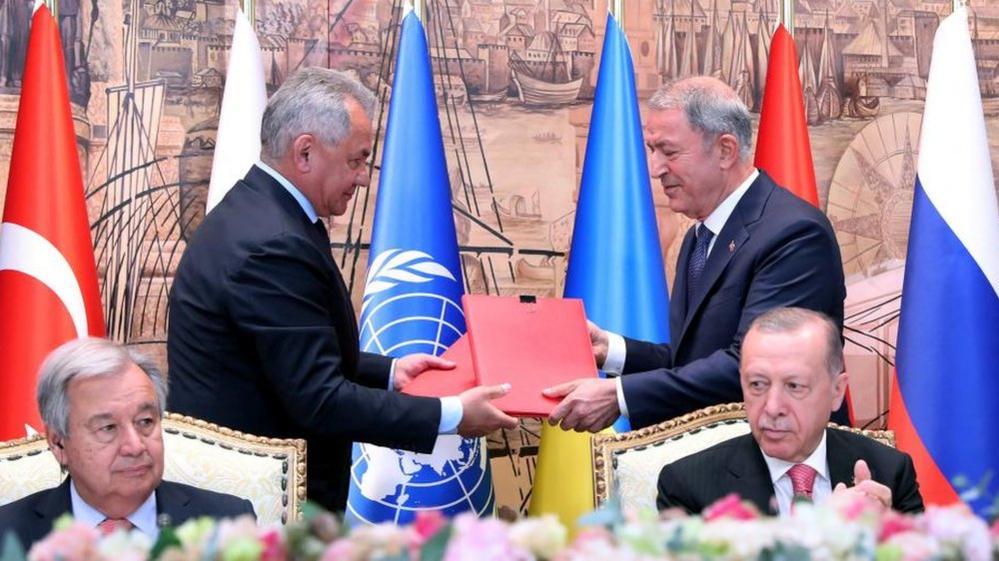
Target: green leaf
{"x": 12, "y": 548}
{"x": 435, "y": 547}
{"x": 168, "y": 539}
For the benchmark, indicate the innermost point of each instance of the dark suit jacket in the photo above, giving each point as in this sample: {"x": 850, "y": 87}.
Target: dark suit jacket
{"x": 737, "y": 466}
{"x": 775, "y": 250}
{"x": 263, "y": 339}
{"x": 31, "y": 518}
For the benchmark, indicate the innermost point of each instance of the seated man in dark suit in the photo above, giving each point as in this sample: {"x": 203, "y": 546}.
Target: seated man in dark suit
{"x": 101, "y": 404}
{"x": 792, "y": 376}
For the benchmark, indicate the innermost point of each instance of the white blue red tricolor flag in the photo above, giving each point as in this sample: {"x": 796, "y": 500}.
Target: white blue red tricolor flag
{"x": 945, "y": 404}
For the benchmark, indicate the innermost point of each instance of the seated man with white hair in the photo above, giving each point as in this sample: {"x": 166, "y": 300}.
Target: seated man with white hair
{"x": 101, "y": 404}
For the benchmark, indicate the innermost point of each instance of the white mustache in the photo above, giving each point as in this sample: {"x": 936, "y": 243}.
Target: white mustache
{"x": 776, "y": 424}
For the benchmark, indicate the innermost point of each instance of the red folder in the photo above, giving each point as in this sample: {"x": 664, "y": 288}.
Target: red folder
{"x": 443, "y": 383}
{"x": 531, "y": 343}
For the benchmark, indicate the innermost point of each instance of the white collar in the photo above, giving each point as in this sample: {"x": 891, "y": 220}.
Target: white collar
{"x": 817, "y": 461}
{"x": 300, "y": 198}
{"x": 717, "y": 219}
{"x": 144, "y": 517}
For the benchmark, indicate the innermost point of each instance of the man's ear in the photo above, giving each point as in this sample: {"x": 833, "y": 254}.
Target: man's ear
{"x": 840, "y": 383}
{"x": 728, "y": 147}
{"x": 301, "y": 148}
{"x": 56, "y": 445}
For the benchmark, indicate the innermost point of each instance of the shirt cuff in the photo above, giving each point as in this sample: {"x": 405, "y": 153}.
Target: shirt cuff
{"x": 391, "y": 386}
{"x": 620, "y": 398}
{"x": 451, "y": 414}
{"x": 617, "y": 351}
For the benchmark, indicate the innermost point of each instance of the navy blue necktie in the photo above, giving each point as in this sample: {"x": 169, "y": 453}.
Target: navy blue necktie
{"x": 698, "y": 258}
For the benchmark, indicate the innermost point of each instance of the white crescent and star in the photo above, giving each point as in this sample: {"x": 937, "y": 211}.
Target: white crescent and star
{"x": 25, "y": 251}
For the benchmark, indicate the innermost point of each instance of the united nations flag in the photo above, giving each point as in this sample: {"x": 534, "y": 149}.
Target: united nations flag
{"x": 412, "y": 301}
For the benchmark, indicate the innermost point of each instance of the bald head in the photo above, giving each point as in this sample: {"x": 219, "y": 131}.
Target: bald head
{"x": 711, "y": 106}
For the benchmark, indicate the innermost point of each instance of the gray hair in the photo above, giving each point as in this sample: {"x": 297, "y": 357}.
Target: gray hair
{"x": 711, "y": 107}
{"x": 87, "y": 357}
{"x": 312, "y": 100}
{"x": 791, "y": 319}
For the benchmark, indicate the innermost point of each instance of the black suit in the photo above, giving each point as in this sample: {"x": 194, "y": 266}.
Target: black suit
{"x": 737, "y": 466}
{"x": 263, "y": 339}
{"x": 775, "y": 250}
{"x": 31, "y": 517}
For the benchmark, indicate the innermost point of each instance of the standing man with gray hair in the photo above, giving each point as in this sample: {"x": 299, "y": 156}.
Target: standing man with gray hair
{"x": 262, "y": 334}
{"x": 102, "y": 404}
{"x": 755, "y": 246}
{"x": 792, "y": 376}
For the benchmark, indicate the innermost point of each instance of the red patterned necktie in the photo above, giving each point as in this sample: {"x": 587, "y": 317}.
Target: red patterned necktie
{"x": 109, "y": 525}
{"x": 802, "y": 480}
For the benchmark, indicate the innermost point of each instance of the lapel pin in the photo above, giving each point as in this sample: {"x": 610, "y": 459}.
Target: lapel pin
{"x": 731, "y": 246}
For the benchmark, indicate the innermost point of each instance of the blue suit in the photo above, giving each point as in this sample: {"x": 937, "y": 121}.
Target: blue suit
{"x": 775, "y": 250}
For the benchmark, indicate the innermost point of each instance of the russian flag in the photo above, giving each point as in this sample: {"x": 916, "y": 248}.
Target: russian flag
{"x": 945, "y": 402}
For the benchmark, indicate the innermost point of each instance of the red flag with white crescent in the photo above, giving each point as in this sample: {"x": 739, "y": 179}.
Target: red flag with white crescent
{"x": 48, "y": 280}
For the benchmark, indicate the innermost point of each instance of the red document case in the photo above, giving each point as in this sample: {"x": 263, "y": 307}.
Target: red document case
{"x": 443, "y": 383}
{"x": 532, "y": 344}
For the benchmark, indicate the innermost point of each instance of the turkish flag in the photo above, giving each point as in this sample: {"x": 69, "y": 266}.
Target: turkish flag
{"x": 782, "y": 146}
{"x": 48, "y": 280}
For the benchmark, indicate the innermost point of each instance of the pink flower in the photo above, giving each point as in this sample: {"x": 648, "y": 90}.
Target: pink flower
{"x": 427, "y": 523}
{"x": 730, "y": 506}
{"x": 273, "y": 544}
{"x": 895, "y": 523}
{"x": 995, "y": 530}
{"x": 76, "y": 542}
{"x": 340, "y": 550}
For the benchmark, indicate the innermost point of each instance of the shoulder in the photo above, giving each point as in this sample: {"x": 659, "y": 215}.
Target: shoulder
{"x": 708, "y": 461}
{"x": 874, "y": 452}
{"x": 22, "y": 517}
{"x": 208, "y": 503}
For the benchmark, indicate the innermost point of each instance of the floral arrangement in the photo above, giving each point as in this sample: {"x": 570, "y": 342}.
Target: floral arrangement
{"x": 730, "y": 530}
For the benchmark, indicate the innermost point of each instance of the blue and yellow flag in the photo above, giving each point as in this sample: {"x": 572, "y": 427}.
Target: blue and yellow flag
{"x": 615, "y": 264}
{"x": 412, "y": 301}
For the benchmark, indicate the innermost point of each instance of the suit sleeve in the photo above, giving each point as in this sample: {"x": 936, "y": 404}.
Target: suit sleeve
{"x": 801, "y": 268}
{"x": 373, "y": 370}
{"x": 278, "y": 303}
{"x": 905, "y": 489}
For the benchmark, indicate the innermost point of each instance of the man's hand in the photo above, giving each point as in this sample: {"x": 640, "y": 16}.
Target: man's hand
{"x": 410, "y": 366}
{"x": 479, "y": 416}
{"x": 865, "y": 487}
{"x": 589, "y": 405}
{"x": 598, "y": 340}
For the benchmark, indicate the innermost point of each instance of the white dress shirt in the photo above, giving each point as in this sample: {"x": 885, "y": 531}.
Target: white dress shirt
{"x": 784, "y": 489}
{"x": 144, "y": 518}
{"x": 451, "y": 408}
{"x": 616, "y": 347}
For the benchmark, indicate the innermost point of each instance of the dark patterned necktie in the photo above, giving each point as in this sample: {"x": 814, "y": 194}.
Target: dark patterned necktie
{"x": 698, "y": 258}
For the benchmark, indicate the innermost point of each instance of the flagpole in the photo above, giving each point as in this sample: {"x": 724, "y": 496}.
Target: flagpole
{"x": 249, "y": 8}
{"x": 617, "y": 8}
{"x": 420, "y": 7}
{"x": 786, "y": 14}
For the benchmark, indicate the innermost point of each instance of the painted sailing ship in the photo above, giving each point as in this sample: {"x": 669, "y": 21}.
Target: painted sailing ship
{"x": 552, "y": 83}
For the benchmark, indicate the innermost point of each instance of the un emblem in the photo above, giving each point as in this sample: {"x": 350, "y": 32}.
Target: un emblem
{"x": 411, "y": 305}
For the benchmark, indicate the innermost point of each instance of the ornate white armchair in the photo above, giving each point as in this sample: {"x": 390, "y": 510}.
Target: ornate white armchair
{"x": 628, "y": 464}
{"x": 270, "y": 472}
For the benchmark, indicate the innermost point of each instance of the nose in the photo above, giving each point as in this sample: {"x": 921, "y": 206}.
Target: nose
{"x": 362, "y": 179}
{"x": 657, "y": 164}
{"x": 131, "y": 443}
{"x": 774, "y": 404}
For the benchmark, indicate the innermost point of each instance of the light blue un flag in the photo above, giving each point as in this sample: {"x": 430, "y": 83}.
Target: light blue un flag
{"x": 412, "y": 301}
{"x": 616, "y": 264}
